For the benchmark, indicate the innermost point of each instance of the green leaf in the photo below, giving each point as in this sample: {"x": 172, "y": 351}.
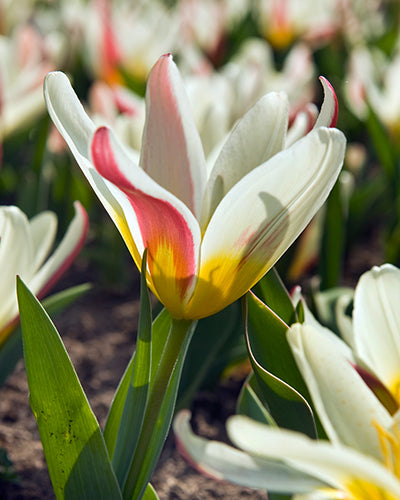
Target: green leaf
{"x": 214, "y": 347}
{"x": 150, "y": 493}
{"x": 333, "y": 239}
{"x": 249, "y": 403}
{"x": 73, "y": 444}
{"x": 271, "y": 290}
{"x": 11, "y": 350}
{"x": 325, "y": 305}
{"x": 136, "y": 397}
{"x": 281, "y": 387}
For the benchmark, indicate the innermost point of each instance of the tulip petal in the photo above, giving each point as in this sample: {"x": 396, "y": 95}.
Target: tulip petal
{"x": 64, "y": 254}
{"x": 156, "y": 219}
{"x": 69, "y": 116}
{"x": 258, "y": 136}
{"x": 329, "y": 111}
{"x": 77, "y": 129}
{"x": 75, "y": 126}
{"x": 223, "y": 462}
{"x": 376, "y": 323}
{"x": 342, "y": 467}
{"x": 262, "y": 215}
{"x": 346, "y": 406}
{"x": 43, "y": 229}
{"x": 172, "y": 153}
{"x": 16, "y": 256}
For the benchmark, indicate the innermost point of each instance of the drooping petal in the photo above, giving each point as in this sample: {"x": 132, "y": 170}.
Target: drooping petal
{"x": 262, "y": 215}
{"x": 347, "y": 408}
{"x": 343, "y": 468}
{"x": 64, "y": 254}
{"x": 259, "y": 135}
{"x": 224, "y": 462}
{"x": 155, "y": 219}
{"x": 376, "y": 323}
{"x": 329, "y": 111}
{"x": 172, "y": 153}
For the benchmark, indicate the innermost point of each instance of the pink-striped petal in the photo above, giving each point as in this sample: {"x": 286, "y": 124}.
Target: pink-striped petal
{"x": 172, "y": 153}
{"x": 164, "y": 225}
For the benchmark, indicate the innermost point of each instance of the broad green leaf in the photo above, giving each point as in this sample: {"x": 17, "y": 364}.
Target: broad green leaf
{"x": 280, "y": 385}
{"x": 136, "y": 398}
{"x": 73, "y": 444}
{"x": 11, "y": 350}
{"x": 271, "y": 290}
{"x": 249, "y": 403}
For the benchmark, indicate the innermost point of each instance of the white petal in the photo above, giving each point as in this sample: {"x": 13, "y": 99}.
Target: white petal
{"x": 226, "y": 463}
{"x": 43, "y": 229}
{"x": 258, "y": 136}
{"x": 338, "y": 465}
{"x": 346, "y": 406}
{"x": 16, "y": 258}
{"x": 64, "y": 254}
{"x": 265, "y": 211}
{"x": 376, "y": 323}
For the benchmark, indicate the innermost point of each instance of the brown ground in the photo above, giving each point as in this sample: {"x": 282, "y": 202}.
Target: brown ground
{"x": 99, "y": 333}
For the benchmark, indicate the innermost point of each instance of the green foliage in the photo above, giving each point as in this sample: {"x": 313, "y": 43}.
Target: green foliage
{"x": 73, "y": 443}
{"x": 11, "y": 350}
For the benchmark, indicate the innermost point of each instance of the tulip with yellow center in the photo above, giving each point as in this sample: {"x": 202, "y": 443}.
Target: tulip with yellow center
{"x": 210, "y": 234}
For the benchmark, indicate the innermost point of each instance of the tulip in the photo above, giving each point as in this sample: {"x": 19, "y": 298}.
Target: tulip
{"x": 25, "y": 245}
{"x": 210, "y": 235}
{"x": 358, "y": 462}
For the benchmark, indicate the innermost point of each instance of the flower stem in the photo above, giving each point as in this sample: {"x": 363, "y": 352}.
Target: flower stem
{"x": 159, "y": 409}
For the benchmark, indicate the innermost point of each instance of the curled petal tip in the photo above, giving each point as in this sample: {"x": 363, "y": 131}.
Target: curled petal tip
{"x": 330, "y": 107}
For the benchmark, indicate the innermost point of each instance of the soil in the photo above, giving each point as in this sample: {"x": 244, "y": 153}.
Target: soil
{"x": 99, "y": 334}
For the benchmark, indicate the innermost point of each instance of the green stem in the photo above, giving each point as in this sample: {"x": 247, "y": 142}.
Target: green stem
{"x": 155, "y": 423}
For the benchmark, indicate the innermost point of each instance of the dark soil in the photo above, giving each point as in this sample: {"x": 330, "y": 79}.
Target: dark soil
{"x": 99, "y": 334}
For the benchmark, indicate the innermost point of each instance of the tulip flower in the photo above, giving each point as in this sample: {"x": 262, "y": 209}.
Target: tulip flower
{"x": 210, "y": 235}
{"x": 25, "y": 245}
{"x": 360, "y": 460}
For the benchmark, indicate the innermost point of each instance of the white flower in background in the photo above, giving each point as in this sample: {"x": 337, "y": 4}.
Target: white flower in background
{"x": 219, "y": 98}
{"x": 361, "y": 459}
{"x": 24, "y": 247}
{"x": 361, "y": 20}
{"x": 129, "y": 36}
{"x": 252, "y": 72}
{"x": 24, "y": 63}
{"x": 119, "y": 108}
{"x": 282, "y": 22}
{"x": 373, "y": 79}
{"x": 206, "y": 24}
